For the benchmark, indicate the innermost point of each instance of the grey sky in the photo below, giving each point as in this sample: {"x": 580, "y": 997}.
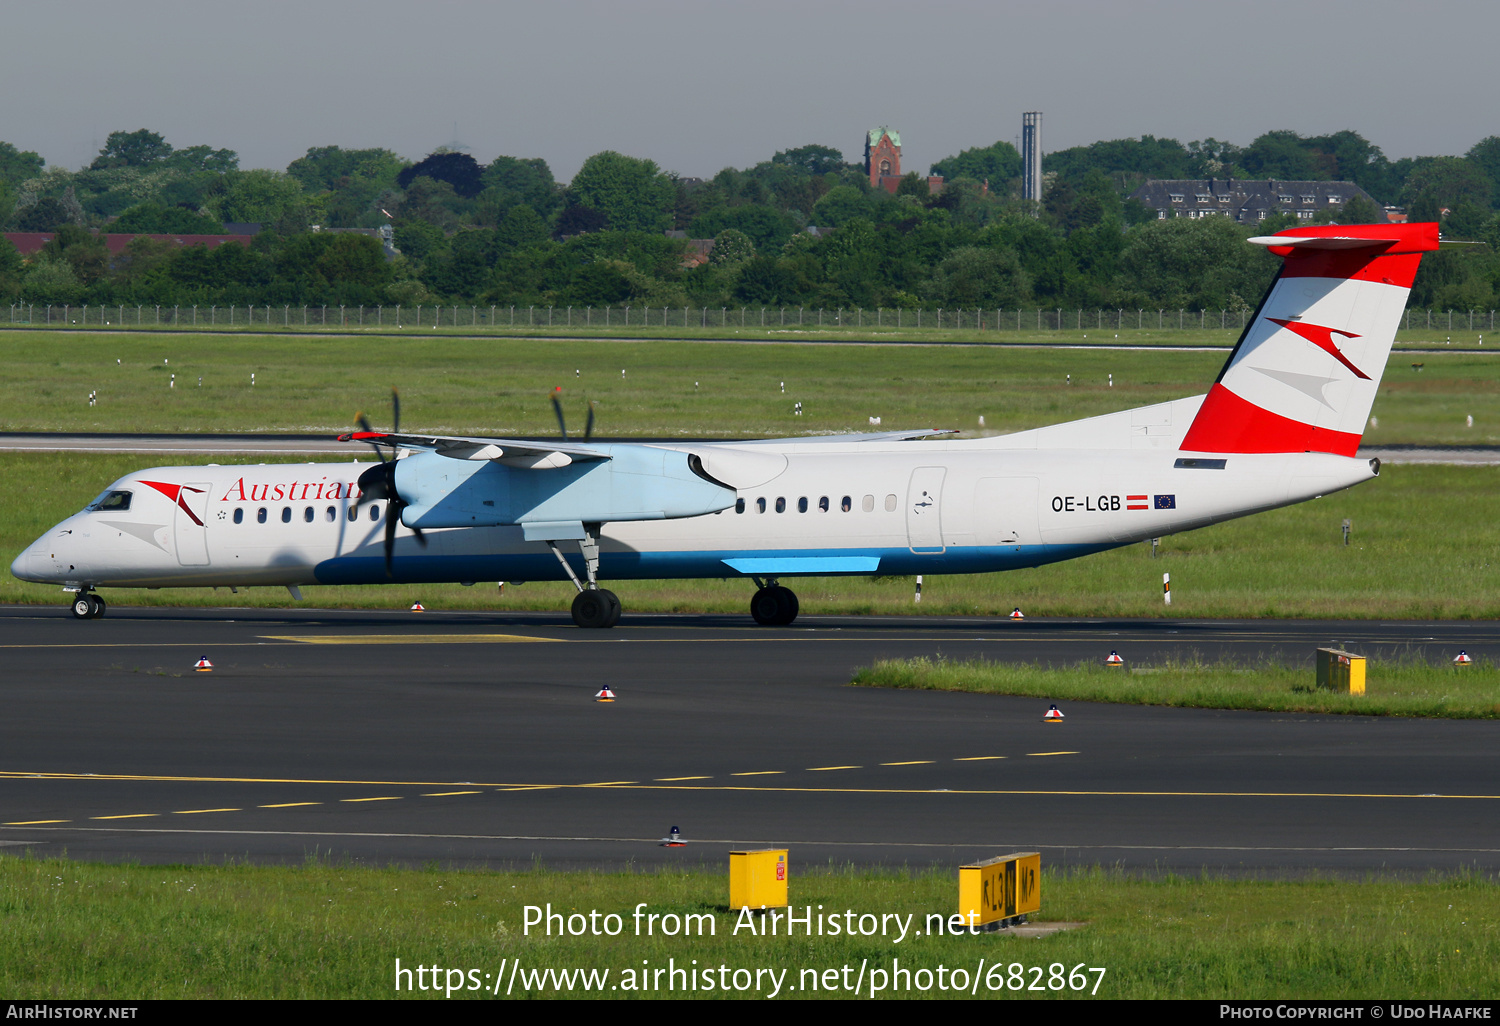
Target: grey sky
{"x": 697, "y": 86}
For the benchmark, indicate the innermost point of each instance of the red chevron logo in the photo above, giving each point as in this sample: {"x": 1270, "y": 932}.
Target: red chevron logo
{"x": 174, "y": 492}
{"x": 1322, "y": 338}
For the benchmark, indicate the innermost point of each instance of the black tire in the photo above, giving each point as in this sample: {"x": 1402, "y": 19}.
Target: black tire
{"x": 615, "y": 608}
{"x": 83, "y": 607}
{"x": 592, "y": 609}
{"x": 765, "y": 607}
{"x": 99, "y": 607}
{"x": 792, "y": 606}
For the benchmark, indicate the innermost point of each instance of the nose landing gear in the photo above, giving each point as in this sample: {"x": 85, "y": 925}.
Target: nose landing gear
{"x": 87, "y": 606}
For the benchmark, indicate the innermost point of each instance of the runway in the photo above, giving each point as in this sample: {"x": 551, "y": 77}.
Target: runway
{"x": 474, "y": 739}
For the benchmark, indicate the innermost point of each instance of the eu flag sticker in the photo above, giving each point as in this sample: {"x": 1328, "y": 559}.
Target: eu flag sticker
{"x": 1166, "y": 501}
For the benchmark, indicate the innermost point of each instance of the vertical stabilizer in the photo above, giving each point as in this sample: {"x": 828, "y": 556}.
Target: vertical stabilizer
{"x": 1305, "y": 373}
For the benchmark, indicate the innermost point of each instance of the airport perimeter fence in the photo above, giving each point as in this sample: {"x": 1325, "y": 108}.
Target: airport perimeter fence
{"x": 426, "y": 317}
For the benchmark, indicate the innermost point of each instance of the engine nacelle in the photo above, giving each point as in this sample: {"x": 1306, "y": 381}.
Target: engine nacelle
{"x": 638, "y": 482}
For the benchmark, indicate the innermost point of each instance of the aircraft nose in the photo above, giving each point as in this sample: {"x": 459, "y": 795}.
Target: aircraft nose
{"x": 23, "y": 565}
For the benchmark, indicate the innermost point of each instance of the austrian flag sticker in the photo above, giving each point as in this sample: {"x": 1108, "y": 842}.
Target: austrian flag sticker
{"x": 1135, "y": 501}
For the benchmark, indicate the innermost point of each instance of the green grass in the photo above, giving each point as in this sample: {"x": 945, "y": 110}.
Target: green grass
{"x": 1402, "y": 687}
{"x": 1423, "y": 547}
{"x": 500, "y": 386}
{"x": 75, "y": 931}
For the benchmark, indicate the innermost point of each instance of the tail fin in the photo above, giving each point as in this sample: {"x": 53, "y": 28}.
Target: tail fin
{"x": 1306, "y": 370}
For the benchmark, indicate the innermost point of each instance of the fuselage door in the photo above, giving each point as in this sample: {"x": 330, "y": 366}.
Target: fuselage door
{"x": 924, "y": 521}
{"x": 1005, "y": 511}
{"x": 189, "y": 529}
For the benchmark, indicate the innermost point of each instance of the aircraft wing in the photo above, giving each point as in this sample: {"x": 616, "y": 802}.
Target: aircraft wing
{"x": 862, "y": 436}
{"x": 510, "y": 451}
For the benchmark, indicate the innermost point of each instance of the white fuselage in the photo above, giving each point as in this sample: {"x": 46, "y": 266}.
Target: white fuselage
{"x": 834, "y": 508}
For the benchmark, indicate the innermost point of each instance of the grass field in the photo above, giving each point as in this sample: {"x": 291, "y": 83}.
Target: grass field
{"x": 1402, "y": 687}
{"x": 500, "y": 386}
{"x": 1423, "y": 547}
{"x": 75, "y": 930}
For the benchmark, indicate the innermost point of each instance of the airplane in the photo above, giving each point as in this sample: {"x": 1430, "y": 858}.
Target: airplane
{"x": 1280, "y": 425}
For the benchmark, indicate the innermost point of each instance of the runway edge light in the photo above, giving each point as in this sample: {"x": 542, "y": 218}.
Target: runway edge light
{"x": 605, "y": 695}
{"x": 417, "y": 607}
{"x": 1463, "y": 659}
{"x": 1016, "y": 614}
{"x": 1114, "y": 659}
{"x": 203, "y": 665}
{"x": 1001, "y": 891}
{"x": 1054, "y": 715}
{"x": 673, "y": 839}
{"x": 758, "y": 879}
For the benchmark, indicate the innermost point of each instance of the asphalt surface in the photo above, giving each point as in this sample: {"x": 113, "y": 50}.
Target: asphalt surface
{"x": 475, "y": 739}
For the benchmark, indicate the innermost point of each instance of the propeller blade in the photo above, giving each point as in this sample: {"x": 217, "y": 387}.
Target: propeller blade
{"x": 561, "y": 424}
{"x": 378, "y": 482}
{"x": 364, "y": 425}
{"x": 588, "y": 430}
{"x": 392, "y": 511}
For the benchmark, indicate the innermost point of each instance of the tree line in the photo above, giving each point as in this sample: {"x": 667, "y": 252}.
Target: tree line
{"x": 803, "y": 228}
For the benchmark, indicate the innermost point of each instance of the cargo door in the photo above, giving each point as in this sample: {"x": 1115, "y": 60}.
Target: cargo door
{"x": 924, "y": 509}
{"x": 188, "y": 528}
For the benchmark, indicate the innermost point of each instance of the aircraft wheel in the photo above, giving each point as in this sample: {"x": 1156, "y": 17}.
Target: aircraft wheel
{"x": 615, "y": 608}
{"x": 774, "y": 607}
{"x": 99, "y": 607}
{"x": 83, "y": 607}
{"x": 592, "y": 609}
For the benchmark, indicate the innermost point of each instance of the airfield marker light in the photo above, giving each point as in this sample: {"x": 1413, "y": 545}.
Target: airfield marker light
{"x": 1470, "y": 420}
{"x": 673, "y": 839}
{"x": 203, "y": 665}
{"x": 919, "y": 589}
{"x": 417, "y": 607}
{"x": 1054, "y": 715}
{"x": 1070, "y": 379}
{"x": 1463, "y": 659}
{"x": 1016, "y": 614}
{"x": 1111, "y": 381}
{"x": 605, "y": 695}
{"x": 1166, "y": 589}
{"x": 1114, "y": 659}
{"x": 1347, "y": 527}
{"x": 981, "y": 420}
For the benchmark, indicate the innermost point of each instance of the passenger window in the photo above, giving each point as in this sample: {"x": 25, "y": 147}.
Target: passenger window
{"x": 260, "y": 515}
{"x": 867, "y": 504}
{"x": 374, "y": 511}
{"x": 780, "y": 504}
{"x": 802, "y": 504}
{"x": 890, "y": 504}
{"x": 353, "y": 513}
{"x": 739, "y": 505}
{"x": 286, "y": 514}
{"x": 239, "y": 515}
{"x": 760, "y": 505}
{"x": 847, "y": 504}
{"x": 307, "y": 514}
{"x": 330, "y": 514}
{"x": 823, "y": 504}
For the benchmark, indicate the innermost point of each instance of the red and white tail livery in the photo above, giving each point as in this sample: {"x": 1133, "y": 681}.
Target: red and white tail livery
{"x": 1306, "y": 372}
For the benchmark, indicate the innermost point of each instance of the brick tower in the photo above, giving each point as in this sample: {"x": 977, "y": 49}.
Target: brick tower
{"x": 883, "y": 158}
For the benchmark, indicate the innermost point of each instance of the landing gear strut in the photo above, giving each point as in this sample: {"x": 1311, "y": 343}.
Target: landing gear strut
{"x": 593, "y": 606}
{"x": 773, "y": 605}
{"x": 87, "y": 606}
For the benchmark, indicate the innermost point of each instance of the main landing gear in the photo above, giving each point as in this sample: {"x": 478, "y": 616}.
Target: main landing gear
{"x": 593, "y": 606}
{"x": 773, "y": 605}
{"x": 87, "y": 606}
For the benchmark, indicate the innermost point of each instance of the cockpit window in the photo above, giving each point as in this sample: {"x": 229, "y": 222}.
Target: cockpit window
{"x": 110, "y": 502}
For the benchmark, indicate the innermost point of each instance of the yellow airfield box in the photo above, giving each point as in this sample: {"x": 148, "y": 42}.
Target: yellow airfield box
{"x": 1000, "y": 888}
{"x": 1341, "y": 671}
{"x": 758, "y": 879}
